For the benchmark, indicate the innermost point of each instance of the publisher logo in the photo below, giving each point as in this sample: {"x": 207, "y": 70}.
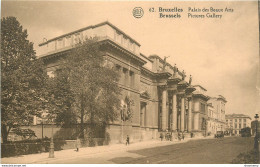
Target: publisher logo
{"x": 138, "y": 12}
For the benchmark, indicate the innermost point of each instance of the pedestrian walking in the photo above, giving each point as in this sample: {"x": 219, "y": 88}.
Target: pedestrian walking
{"x": 127, "y": 140}
{"x": 161, "y": 136}
{"x": 179, "y": 136}
{"x": 77, "y": 144}
{"x": 182, "y": 136}
{"x": 167, "y": 136}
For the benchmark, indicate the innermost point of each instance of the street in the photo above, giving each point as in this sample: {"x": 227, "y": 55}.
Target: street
{"x": 206, "y": 151}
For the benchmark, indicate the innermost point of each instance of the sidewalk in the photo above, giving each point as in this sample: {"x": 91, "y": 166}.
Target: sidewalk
{"x": 42, "y": 158}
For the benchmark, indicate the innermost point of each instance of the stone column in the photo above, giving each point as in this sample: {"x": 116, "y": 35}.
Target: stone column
{"x": 190, "y": 115}
{"x": 179, "y": 122}
{"x": 174, "y": 112}
{"x": 182, "y": 112}
{"x": 164, "y": 94}
{"x": 167, "y": 113}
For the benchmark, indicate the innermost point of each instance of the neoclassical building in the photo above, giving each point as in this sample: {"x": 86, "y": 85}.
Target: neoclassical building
{"x": 163, "y": 99}
{"x": 235, "y": 122}
{"x": 216, "y": 114}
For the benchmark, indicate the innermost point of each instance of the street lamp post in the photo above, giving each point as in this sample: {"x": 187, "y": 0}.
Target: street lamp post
{"x": 51, "y": 153}
{"x": 256, "y": 134}
{"x": 42, "y": 128}
{"x": 206, "y": 124}
{"x": 122, "y": 129}
{"x": 231, "y": 130}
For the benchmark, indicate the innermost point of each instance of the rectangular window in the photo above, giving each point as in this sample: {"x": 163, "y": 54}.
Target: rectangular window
{"x": 244, "y": 120}
{"x": 202, "y": 108}
{"x": 118, "y": 69}
{"x": 235, "y": 120}
{"x": 244, "y": 126}
{"x": 235, "y": 125}
{"x": 132, "y": 79}
{"x": 125, "y": 71}
{"x": 240, "y": 120}
{"x": 239, "y": 126}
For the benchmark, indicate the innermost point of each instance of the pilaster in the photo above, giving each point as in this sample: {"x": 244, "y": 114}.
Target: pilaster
{"x": 164, "y": 108}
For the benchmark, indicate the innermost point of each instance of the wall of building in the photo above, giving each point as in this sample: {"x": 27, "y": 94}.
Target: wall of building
{"x": 136, "y": 84}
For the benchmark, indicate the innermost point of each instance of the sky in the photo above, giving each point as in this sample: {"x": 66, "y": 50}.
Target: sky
{"x": 222, "y": 55}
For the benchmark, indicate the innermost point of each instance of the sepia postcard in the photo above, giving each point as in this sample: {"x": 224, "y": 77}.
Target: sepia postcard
{"x": 130, "y": 82}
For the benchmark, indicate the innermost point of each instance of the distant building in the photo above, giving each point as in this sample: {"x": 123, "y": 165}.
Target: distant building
{"x": 212, "y": 124}
{"x": 235, "y": 122}
{"x": 216, "y": 114}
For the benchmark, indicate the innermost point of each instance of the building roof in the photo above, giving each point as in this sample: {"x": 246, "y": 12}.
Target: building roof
{"x": 145, "y": 57}
{"x": 89, "y": 27}
{"x": 222, "y": 98}
{"x": 229, "y": 116}
{"x": 219, "y": 97}
{"x": 200, "y": 87}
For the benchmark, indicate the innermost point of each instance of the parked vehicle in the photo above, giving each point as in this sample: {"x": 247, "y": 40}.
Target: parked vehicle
{"x": 245, "y": 132}
{"x": 219, "y": 134}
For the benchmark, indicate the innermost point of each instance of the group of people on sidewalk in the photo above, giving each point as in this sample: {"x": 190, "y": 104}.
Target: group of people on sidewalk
{"x": 168, "y": 136}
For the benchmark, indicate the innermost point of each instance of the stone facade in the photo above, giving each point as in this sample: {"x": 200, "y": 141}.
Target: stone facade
{"x": 216, "y": 114}
{"x": 235, "y": 122}
{"x": 163, "y": 100}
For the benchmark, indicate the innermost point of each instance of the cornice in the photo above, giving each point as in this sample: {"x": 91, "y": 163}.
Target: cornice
{"x": 206, "y": 98}
{"x": 90, "y": 27}
{"x": 103, "y": 42}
